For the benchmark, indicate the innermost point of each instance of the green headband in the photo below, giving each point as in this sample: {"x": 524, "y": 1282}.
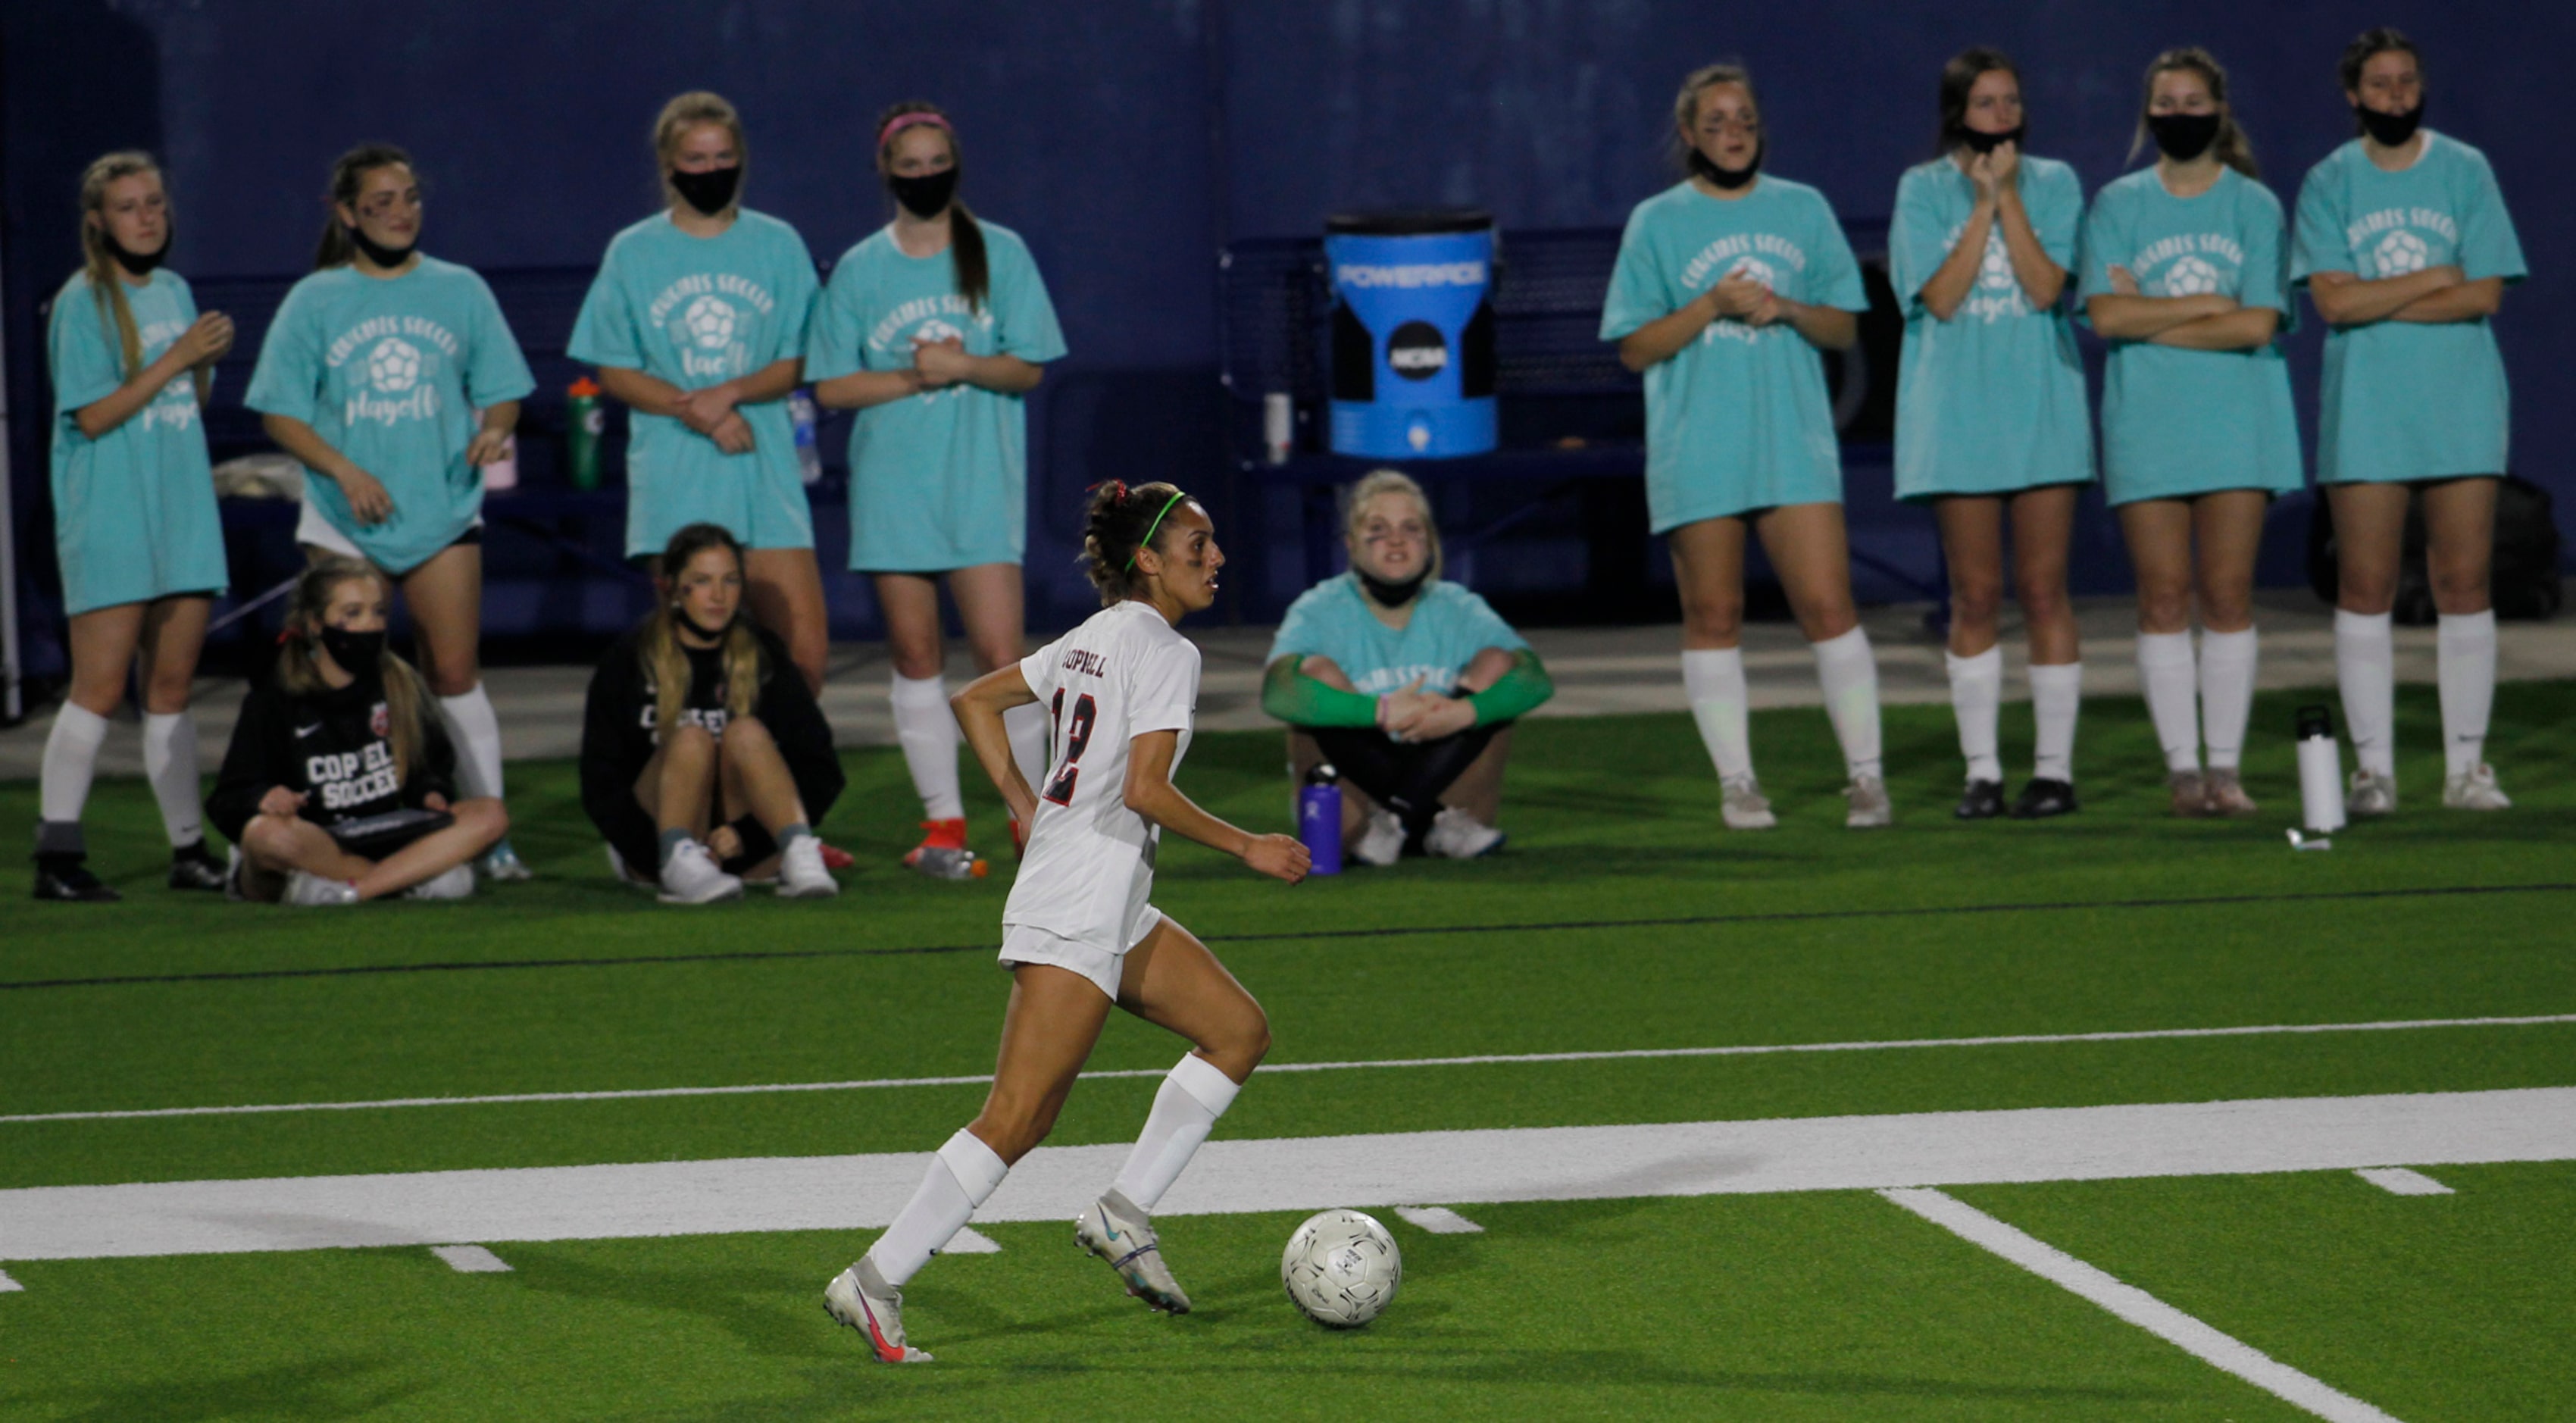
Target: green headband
{"x": 1143, "y": 543}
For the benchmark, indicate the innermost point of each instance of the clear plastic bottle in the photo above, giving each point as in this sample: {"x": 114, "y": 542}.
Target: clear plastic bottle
{"x": 802, "y": 414}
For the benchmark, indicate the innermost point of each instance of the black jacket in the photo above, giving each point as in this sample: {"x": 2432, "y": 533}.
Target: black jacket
{"x": 617, "y": 736}
{"x": 335, "y": 746}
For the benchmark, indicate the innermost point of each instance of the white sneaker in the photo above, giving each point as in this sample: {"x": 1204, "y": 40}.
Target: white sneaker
{"x": 860, "y": 1298}
{"x": 456, "y": 882}
{"x": 1869, "y": 804}
{"x": 232, "y": 876}
{"x": 1456, "y": 835}
{"x": 1742, "y": 804}
{"x": 502, "y": 863}
{"x": 2475, "y": 791}
{"x": 692, "y": 877}
{"x": 317, "y": 890}
{"x": 1382, "y": 844}
{"x": 1116, "y": 1231}
{"x": 2371, "y": 794}
{"x": 800, "y": 871}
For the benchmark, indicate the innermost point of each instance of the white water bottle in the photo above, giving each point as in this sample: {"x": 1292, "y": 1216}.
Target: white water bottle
{"x": 2320, "y": 771}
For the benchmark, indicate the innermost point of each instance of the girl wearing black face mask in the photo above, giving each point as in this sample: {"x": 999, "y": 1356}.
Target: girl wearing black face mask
{"x": 697, "y": 322}
{"x": 340, "y": 784}
{"x": 704, "y": 760}
{"x": 135, "y": 529}
{"x": 1990, "y": 413}
{"x": 2186, "y": 275}
{"x": 2406, "y": 249}
{"x": 935, "y": 329}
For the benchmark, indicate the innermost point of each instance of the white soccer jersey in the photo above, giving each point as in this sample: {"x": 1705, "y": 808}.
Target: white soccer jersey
{"x": 1089, "y": 866}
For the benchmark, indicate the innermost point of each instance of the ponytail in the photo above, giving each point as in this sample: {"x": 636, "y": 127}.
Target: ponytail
{"x": 966, "y": 250}
{"x": 1119, "y": 524}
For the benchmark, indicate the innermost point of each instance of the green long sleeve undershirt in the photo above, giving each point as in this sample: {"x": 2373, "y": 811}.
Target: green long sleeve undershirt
{"x": 1299, "y": 700}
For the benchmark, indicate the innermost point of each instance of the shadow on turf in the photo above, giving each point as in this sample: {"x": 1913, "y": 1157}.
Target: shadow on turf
{"x": 313, "y": 1388}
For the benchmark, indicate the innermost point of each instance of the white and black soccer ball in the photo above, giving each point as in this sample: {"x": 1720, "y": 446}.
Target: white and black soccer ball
{"x": 1341, "y": 1268}
{"x": 709, "y": 320}
{"x": 2190, "y": 276}
{"x": 394, "y": 365}
{"x": 2402, "y": 252}
{"x": 1994, "y": 270}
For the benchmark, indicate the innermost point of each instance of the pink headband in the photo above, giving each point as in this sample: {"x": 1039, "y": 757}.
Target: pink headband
{"x": 900, "y": 122}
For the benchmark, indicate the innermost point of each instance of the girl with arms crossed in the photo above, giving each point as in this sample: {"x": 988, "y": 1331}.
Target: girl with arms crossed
{"x": 2186, "y": 274}
{"x": 2406, "y": 248}
{"x": 1726, "y": 287}
{"x": 703, "y": 756}
{"x": 1990, "y": 413}
{"x": 935, "y": 329}
{"x": 697, "y": 321}
{"x": 135, "y": 528}
{"x": 1079, "y": 934}
{"x": 339, "y": 785}
{"x": 368, "y": 376}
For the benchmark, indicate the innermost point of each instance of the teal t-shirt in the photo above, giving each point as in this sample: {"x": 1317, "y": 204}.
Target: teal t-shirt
{"x": 1991, "y": 400}
{"x": 388, "y": 371}
{"x": 2403, "y": 399}
{"x": 938, "y": 480}
{"x": 134, "y": 509}
{"x": 1450, "y": 625}
{"x": 1738, "y": 420}
{"x": 696, "y": 312}
{"x": 2177, "y": 422}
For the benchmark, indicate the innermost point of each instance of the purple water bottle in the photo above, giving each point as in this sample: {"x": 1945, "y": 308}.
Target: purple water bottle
{"x": 1319, "y": 819}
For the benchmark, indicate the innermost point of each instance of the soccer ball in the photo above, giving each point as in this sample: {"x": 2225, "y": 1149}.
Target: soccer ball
{"x": 394, "y": 365}
{"x": 1341, "y": 1268}
{"x": 2190, "y": 276}
{"x": 2401, "y": 252}
{"x": 1996, "y": 269}
{"x": 710, "y": 322}
{"x": 1758, "y": 271}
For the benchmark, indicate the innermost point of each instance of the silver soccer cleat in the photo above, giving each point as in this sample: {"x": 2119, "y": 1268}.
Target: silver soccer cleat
{"x": 1743, "y": 806}
{"x": 860, "y": 1298}
{"x": 1117, "y": 1231}
{"x": 1870, "y": 807}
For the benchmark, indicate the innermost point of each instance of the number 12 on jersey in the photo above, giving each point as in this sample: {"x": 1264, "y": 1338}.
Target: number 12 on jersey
{"x": 1060, "y": 785}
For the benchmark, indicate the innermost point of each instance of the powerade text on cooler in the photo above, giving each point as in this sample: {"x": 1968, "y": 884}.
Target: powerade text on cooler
{"x": 1413, "y": 333}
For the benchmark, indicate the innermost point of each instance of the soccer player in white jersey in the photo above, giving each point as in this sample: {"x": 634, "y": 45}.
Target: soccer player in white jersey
{"x": 1078, "y": 934}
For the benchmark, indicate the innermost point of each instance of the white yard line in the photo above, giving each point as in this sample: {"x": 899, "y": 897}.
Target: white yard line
{"x": 1439, "y": 1220}
{"x": 2398, "y": 1181}
{"x": 852, "y": 1193}
{"x": 2137, "y": 1307}
{"x": 1482, "y": 1060}
{"x": 471, "y": 1259}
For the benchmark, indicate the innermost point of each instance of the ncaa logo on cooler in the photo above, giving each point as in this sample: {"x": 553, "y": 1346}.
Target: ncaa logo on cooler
{"x": 2400, "y": 253}
{"x": 2190, "y": 276}
{"x": 393, "y": 366}
{"x": 1417, "y": 351}
{"x": 709, "y": 322}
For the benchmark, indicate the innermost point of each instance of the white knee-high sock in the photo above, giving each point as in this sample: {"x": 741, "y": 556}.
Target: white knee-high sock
{"x": 2056, "y": 694}
{"x": 2226, "y": 694}
{"x": 2465, "y": 666}
{"x": 1976, "y": 699}
{"x": 961, "y": 1177}
{"x": 1028, "y": 728}
{"x": 476, "y": 731}
{"x": 2166, "y": 675}
{"x": 1186, "y": 1107}
{"x": 170, "y": 763}
{"x": 71, "y": 760}
{"x": 928, "y": 731}
{"x": 1713, "y": 679}
{"x": 2366, "y": 672}
{"x": 1849, "y": 673}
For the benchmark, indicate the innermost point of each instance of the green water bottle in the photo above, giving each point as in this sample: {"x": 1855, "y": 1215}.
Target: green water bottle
{"x": 583, "y": 423}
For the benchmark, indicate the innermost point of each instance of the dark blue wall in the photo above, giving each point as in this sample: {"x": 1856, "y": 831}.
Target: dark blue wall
{"x": 1128, "y": 141}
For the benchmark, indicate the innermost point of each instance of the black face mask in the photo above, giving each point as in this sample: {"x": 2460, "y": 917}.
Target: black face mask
{"x": 1988, "y": 142}
{"x": 360, "y": 654}
{"x": 2183, "y": 137}
{"x": 711, "y": 634}
{"x": 2390, "y": 130}
{"x": 710, "y": 192}
{"x": 1730, "y": 180}
{"x": 927, "y": 195}
{"x": 387, "y": 257}
{"x": 1392, "y": 595}
{"x": 140, "y": 264}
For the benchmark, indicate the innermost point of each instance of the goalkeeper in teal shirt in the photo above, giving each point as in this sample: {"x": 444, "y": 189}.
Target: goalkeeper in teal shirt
{"x": 1406, "y": 683}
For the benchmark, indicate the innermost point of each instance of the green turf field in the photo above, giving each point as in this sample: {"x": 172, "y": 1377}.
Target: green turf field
{"x": 1621, "y": 918}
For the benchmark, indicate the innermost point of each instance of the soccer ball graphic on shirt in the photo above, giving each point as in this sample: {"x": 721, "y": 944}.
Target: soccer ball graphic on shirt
{"x": 394, "y": 365}
{"x": 709, "y": 322}
{"x": 1341, "y": 1268}
{"x": 2401, "y": 252}
{"x": 1761, "y": 272}
{"x": 2190, "y": 276}
{"x": 1996, "y": 270}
